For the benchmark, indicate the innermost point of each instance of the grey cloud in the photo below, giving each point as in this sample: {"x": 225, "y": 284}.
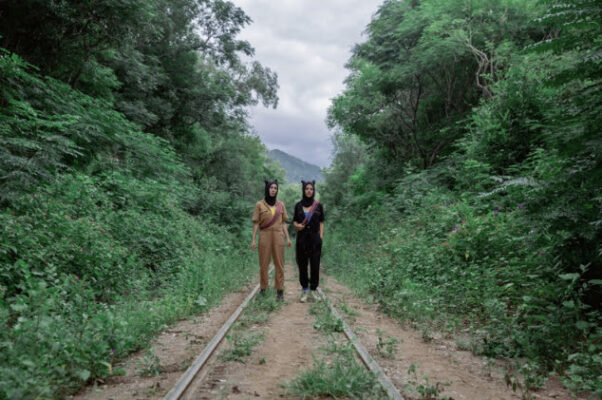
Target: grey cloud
{"x": 304, "y": 138}
{"x": 307, "y": 43}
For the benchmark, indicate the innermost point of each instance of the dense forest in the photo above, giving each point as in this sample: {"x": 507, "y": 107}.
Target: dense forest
{"x": 126, "y": 168}
{"x": 464, "y": 195}
{"x": 465, "y": 191}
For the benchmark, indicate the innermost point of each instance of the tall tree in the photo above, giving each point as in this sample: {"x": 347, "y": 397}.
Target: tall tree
{"x": 424, "y": 66}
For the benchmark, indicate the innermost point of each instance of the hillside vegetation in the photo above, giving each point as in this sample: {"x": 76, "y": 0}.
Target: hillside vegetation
{"x": 296, "y": 169}
{"x": 465, "y": 192}
{"x": 464, "y": 195}
{"x": 126, "y": 171}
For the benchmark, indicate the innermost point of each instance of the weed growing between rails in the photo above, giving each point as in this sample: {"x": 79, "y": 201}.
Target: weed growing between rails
{"x": 386, "y": 346}
{"x": 339, "y": 374}
{"x": 246, "y": 334}
{"x": 325, "y": 320}
{"x": 427, "y": 391}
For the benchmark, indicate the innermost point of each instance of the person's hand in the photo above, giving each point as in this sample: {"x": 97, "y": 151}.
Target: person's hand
{"x": 288, "y": 243}
{"x": 299, "y": 227}
{"x": 253, "y": 247}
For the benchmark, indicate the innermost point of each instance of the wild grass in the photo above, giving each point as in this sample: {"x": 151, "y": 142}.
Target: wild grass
{"x": 149, "y": 365}
{"x": 481, "y": 279}
{"x": 387, "y": 345}
{"x": 245, "y": 337}
{"x": 325, "y": 320}
{"x": 339, "y": 374}
{"x": 241, "y": 346}
{"x": 259, "y": 309}
{"x": 341, "y": 377}
{"x": 423, "y": 387}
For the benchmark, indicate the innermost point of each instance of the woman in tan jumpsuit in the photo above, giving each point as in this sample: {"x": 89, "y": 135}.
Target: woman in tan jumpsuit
{"x": 269, "y": 217}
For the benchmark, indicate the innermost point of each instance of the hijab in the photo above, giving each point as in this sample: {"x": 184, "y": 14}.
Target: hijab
{"x": 308, "y": 201}
{"x": 269, "y": 199}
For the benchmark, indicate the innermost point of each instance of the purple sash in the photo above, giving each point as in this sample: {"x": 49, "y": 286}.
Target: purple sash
{"x": 310, "y": 212}
{"x": 275, "y": 217}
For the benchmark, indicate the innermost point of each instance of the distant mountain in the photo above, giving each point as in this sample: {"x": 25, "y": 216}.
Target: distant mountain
{"x": 296, "y": 169}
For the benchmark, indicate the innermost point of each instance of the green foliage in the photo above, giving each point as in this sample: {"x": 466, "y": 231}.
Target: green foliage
{"x": 574, "y": 25}
{"x": 144, "y": 69}
{"x": 110, "y": 233}
{"x": 325, "y": 319}
{"x": 424, "y": 66}
{"x": 343, "y": 376}
{"x": 386, "y": 347}
{"x": 426, "y": 390}
{"x": 87, "y": 279}
{"x": 502, "y": 234}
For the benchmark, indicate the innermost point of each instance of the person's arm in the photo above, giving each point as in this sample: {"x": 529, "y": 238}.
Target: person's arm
{"x": 255, "y": 225}
{"x": 288, "y": 239}
{"x": 255, "y": 228}
{"x": 321, "y": 222}
{"x": 284, "y": 226}
{"x": 299, "y": 226}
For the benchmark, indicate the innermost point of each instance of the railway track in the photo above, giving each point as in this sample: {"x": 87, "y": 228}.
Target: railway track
{"x": 179, "y": 389}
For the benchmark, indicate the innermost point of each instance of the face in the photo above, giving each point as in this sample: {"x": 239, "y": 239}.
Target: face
{"x": 309, "y": 190}
{"x": 273, "y": 190}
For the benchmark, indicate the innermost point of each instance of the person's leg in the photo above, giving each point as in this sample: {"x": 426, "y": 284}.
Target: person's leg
{"x": 314, "y": 262}
{"x": 278, "y": 257}
{"x": 302, "y": 261}
{"x": 301, "y": 254}
{"x": 265, "y": 251}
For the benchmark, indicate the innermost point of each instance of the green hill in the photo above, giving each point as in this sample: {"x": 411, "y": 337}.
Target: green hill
{"x": 296, "y": 169}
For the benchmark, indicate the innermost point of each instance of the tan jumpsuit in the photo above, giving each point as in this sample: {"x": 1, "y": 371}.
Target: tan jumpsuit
{"x": 271, "y": 244}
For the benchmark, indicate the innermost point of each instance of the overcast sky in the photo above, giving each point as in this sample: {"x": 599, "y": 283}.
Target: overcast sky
{"x": 307, "y": 43}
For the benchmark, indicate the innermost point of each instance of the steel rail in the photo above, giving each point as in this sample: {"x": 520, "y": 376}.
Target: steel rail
{"x": 363, "y": 353}
{"x": 180, "y": 387}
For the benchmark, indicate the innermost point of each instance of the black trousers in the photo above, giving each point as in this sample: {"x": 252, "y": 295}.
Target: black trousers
{"x": 308, "y": 250}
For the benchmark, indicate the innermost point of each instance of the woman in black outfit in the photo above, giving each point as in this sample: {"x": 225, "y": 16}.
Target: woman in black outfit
{"x": 309, "y": 222}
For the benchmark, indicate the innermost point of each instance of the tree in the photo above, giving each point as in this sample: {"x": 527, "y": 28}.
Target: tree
{"x": 422, "y": 69}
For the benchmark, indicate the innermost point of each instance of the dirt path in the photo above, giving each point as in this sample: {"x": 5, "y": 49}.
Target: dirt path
{"x": 439, "y": 360}
{"x": 175, "y": 349}
{"x": 289, "y": 343}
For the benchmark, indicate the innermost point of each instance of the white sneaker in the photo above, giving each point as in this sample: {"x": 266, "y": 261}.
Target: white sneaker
{"x": 303, "y": 297}
{"x": 315, "y": 296}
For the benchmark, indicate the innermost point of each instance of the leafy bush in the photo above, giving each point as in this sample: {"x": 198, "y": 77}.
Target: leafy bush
{"x": 461, "y": 264}
{"x": 98, "y": 251}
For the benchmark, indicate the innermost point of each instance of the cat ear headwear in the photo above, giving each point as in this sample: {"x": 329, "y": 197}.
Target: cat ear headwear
{"x": 308, "y": 201}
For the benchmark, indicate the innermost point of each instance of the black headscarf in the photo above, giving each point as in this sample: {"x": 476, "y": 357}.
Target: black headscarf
{"x": 269, "y": 199}
{"x": 308, "y": 201}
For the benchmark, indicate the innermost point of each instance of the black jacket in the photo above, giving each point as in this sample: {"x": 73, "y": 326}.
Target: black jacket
{"x": 314, "y": 222}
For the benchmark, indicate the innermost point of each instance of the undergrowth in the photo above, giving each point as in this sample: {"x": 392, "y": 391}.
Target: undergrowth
{"x": 245, "y": 336}
{"x": 448, "y": 265}
{"x": 339, "y": 373}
